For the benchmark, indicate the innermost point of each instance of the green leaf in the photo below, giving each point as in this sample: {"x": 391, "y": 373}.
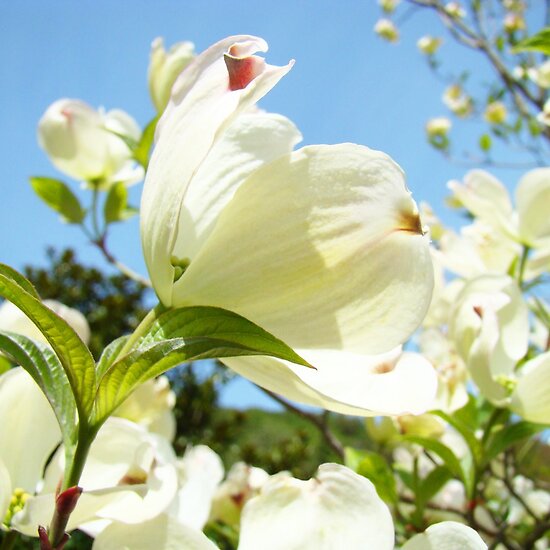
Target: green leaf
{"x": 474, "y": 445}
{"x": 219, "y": 324}
{"x": 431, "y": 485}
{"x": 71, "y": 351}
{"x": 539, "y": 42}
{"x": 449, "y": 458}
{"x": 485, "y": 142}
{"x": 183, "y": 335}
{"x": 59, "y": 197}
{"x": 44, "y": 366}
{"x": 116, "y": 207}
{"x": 109, "y": 355}
{"x": 509, "y": 435}
{"x": 18, "y": 278}
{"x": 143, "y": 149}
{"x": 5, "y": 364}
{"x": 374, "y": 467}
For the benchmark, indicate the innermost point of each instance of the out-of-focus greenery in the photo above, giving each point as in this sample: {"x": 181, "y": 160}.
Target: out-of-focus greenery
{"x": 113, "y": 304}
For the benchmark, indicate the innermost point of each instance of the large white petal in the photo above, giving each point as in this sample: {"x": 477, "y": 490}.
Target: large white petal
{"x": 38, "y": 510}
{"x": 252, "y": 140}
{"x": 486, "y": 198}
{"x": 533, "y": 200}
{"x": 202, "y": 106}
{"x": 161, "y": 533}
{"x": 200, "y": 472}
{"x": 387, "y": 384}
{"x": 28, "y": 429}
{"x": 531, "y": 396}
{"x": 323, "y": 248}
{"x": 336, "y": 509}
{"x": 447, "y": 535}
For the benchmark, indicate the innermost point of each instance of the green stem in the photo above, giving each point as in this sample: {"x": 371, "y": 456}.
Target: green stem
{"x": 73, "y": 472}
{"x": 522, "y": 264}
{"x": 95, "y": 224}
{"x": 141, "y": 329}
{"x": 9, "y": 540}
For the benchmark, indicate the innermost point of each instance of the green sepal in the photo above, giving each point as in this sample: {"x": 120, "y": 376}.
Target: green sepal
{"x": 57, "y": 195}
{"x": 73, "y": 354}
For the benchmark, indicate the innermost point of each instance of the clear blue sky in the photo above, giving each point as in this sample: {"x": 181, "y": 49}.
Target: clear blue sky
{"x": 347, "y": 85}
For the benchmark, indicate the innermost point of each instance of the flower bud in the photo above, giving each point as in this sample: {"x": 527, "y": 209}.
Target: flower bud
{"x": 544, "y": 116}
{"x": 165, "y": 67}
{"x": 385, "y": 29}
{"x": 495, "y": 113}
{"x": 429, "y": 45}
{"x": 540, "y": 75}
{"x": 513, "y": 22}
{"x": 86, "y": 144}
{"x": 454, "y": 9}
{"x": 388, "y": 5}
{"x": 457, "y": 101}
{"x": 438, "y": 127}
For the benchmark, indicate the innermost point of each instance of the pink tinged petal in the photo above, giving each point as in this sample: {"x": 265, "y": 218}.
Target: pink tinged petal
{"x": 201, "y": 108}
{"x": 322, "y": 248}
{"x": 447, "y": 535}
{"x": 162, "y": 532}
{"x": 242, "y": 70}
{"x": 336, "y": 509}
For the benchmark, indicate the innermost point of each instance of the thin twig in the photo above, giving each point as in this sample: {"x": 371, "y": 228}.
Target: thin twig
{"x": 124, "y": 269}
{"x": 317, "y": 421}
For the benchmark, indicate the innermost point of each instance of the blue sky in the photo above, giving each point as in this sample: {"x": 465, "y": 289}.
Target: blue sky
{"x": 347, "y": 85}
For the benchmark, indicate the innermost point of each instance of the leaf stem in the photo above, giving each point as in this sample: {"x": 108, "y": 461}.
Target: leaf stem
{"x": 70, "y": 492}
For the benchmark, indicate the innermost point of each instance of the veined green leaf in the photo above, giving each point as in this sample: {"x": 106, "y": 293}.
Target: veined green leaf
{"x": 57, "y": 195}
{"x": 109, "y": 355}
{"x": 219, "y": 324}
{"x": 44, "y": 366}
{"x": 539, "y": 42}
{"x": 74, "y": 356}
{"x": 509, "y": 435}
{"x": 22, "y": 281}
{"x": 182, "y": 335}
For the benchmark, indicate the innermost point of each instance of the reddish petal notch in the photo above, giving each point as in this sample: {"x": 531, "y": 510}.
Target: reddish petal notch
{"x": 242, "y": 70}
